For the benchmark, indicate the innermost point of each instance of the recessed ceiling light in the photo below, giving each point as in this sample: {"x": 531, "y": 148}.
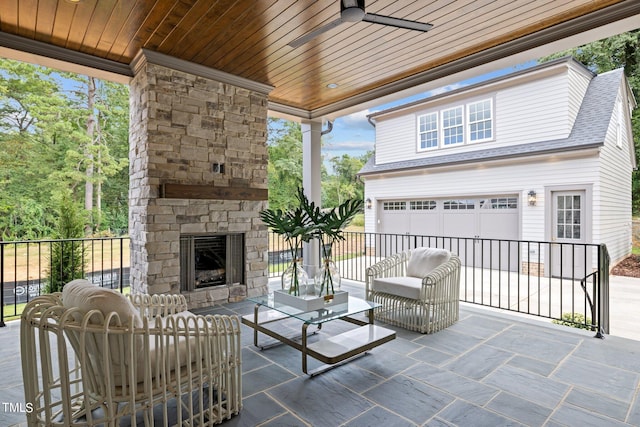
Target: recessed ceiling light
{"x": 332, "y": 85}
{"x": 74, "y": 1}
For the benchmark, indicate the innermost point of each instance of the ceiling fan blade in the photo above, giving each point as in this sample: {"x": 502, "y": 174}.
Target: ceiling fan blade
{"x": 396, "y": 22}
{"x": 315, "y": 33}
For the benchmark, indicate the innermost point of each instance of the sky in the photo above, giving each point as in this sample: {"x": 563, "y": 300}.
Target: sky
{"x": 354, "y": 135}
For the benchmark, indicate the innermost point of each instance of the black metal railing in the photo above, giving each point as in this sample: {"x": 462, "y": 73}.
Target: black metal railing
{"x": 26, "y": 267}
{"x": 565, "y": 282}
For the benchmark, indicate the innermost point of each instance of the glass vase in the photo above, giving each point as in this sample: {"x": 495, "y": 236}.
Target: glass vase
{"x": 327, "y": 280}
{"x": 295, "y": 279}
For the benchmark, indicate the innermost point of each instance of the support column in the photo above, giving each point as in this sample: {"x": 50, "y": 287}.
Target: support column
{"x": 311, "y": 180}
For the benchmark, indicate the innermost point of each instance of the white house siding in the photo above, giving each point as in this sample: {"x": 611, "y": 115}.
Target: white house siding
{"x": 396, "y": 139}
{"x": 547, "y": 106}
{"x": 541, "y": 107}
{"x": 578, "y": 84}
{"x": 614, "y": 195}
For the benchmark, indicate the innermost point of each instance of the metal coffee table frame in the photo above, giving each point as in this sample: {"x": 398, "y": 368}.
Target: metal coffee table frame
{"x": 332, "y": 350}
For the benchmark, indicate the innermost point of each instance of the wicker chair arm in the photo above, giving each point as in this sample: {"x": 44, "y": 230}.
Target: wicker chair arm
{"x": 388, "y": 266}
{"x": 446, "y": 274}
{"x": 395, "y": 265}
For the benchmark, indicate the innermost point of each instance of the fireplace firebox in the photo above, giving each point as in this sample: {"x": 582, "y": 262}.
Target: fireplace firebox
{"x": 211, "y": 260}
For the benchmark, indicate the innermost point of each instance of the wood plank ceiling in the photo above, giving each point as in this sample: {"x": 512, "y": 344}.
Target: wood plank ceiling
{"x": 249, "y": 38}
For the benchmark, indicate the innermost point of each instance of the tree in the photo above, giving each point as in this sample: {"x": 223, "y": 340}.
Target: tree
{"x": 66, "y": 259}
{"x": 32, "y": 143}
{"x": 344, "y": 183}
{"x": 54, "y": 136}
{"x": 100, "y": 121}
{"x": 284, "y": 171}
{"x": 606, "y": 55}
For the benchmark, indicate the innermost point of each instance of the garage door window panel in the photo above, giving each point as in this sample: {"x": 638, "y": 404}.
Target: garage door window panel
{"x": 394, "y": 206}
{"x": 422, "y": 205}
{"x": 459, "y": 205}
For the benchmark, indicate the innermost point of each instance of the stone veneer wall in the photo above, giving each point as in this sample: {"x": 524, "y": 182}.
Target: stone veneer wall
{"x": 180, "y": 125}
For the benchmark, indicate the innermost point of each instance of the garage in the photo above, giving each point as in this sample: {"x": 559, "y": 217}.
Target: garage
{"x": 466, "y": 223}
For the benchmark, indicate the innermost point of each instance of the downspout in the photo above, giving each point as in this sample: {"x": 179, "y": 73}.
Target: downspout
{"x": 328, "y": 129}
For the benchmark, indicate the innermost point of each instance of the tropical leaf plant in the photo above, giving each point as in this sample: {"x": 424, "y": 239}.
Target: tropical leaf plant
{"x": 328, "y": 227}
{"x": 307, "y": 221}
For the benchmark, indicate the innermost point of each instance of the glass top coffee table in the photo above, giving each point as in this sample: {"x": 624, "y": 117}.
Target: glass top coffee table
{"x": 330, "y": 350}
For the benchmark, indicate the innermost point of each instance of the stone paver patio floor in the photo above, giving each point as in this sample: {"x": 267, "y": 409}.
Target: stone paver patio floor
{"x": 489, "y": 369}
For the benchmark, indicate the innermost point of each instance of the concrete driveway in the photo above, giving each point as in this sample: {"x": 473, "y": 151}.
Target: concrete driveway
{"x": 624, "y": 307}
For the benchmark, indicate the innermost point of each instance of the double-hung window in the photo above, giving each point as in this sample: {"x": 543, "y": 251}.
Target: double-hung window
{"x": 452, "y": 128}
{"x": 428, "y": 131}
{"x": 480, "y": 121}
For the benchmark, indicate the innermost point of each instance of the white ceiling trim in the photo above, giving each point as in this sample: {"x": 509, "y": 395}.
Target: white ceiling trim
{"x": 59, "y": 58}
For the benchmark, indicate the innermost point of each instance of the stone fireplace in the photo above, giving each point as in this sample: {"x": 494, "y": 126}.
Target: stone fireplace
{"x": 198, "y": 167}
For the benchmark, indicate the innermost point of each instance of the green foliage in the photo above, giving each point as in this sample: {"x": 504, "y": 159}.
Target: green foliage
{"x": 45, "y": 148}
{"x": 284, "y": 171}
{"x": 575, "y": 320}
{"x": 67, "y": 261}
{"x": 328, "y": 225}
{"x": 294, "y": 225}
{"x": 344, "y": 184}
{"x": 358, "y": 220}
{"x": 609, "y": 54}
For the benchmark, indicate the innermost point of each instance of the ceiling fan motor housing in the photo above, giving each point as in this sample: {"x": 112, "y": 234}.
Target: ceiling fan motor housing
{"x": 352, "y": 11}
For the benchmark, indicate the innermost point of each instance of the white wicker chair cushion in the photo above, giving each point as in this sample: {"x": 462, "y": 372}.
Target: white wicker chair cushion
{"x": 424, "y": 260}
{"x": 407, "y": 287}
{"x": 85, "y": 296}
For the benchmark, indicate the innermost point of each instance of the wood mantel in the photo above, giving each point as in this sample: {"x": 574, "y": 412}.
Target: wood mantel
{"x": 209, "y": 192}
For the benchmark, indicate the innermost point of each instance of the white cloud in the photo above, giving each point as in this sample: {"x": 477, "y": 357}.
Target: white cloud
{"x": 348, "y": 145}
{"x": 355, "y": 121}
{"x": 443, "y": 89}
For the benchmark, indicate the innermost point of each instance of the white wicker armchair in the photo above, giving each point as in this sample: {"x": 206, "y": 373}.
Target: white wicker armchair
{"x": 89, "y": 358}
{"x": 419, "y": 289}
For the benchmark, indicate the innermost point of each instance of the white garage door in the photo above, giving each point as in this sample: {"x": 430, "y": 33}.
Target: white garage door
{"x": 470, "y": 222}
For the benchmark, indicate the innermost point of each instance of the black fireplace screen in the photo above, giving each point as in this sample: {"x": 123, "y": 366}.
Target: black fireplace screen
{"x": 212, "y": 260}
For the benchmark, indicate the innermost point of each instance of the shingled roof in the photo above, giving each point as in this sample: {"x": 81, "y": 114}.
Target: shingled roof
{"x": 589, "y": 131}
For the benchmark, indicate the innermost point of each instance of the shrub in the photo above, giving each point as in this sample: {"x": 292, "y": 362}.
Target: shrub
{"x": 66, "y": 259}
{"x": 575, "y": 320}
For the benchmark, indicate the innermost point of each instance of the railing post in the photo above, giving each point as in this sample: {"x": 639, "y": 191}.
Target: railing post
{"x": 603, "y": 291}
{"x": 121, "y": 267}
{"x": 2, "y": 284}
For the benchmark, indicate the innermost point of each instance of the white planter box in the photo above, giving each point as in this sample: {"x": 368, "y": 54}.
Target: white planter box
{"x": 309, "y": 303}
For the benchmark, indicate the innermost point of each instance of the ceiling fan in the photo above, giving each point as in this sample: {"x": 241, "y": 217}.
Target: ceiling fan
{"x": 353, "y": 11}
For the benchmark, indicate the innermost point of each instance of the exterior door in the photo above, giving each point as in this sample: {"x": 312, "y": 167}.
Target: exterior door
{"x": 568, "y": 228}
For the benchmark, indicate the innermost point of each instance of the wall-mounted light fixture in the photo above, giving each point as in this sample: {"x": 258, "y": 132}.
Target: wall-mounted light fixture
{"x": 532, "y": 198}
{"x": 368, "y": 203}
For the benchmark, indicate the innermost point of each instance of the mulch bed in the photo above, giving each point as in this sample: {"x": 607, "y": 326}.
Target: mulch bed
{"x": 630, "y": 266}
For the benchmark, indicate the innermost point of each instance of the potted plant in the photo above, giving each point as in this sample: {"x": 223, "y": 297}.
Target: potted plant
{"x": 328, "y": 227}
{"x": 295, "y": 226}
